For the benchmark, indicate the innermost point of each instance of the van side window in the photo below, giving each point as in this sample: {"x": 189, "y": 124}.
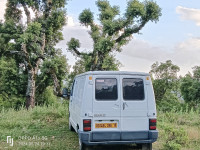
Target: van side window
{"x": 106, "y": 89}
{"x": 72, "y": 89}
{"x": 133, "y": 89}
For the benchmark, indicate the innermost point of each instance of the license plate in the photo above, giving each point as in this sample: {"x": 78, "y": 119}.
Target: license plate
{"x": 105, "y": 125}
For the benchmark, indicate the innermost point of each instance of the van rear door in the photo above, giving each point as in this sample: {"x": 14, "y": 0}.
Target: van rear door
{"x": 134, "y": 103}
{"x": 106, "y": 107}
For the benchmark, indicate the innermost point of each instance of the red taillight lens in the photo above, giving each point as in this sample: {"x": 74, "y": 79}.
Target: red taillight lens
{"x": 153, "y": 120}
{"x": 152, "y": 127}
{"x": 152, "y": 124}
{"x": 87, "y": 128}
{"x": 87, "y": 124}
{"x": 86, "y": 121}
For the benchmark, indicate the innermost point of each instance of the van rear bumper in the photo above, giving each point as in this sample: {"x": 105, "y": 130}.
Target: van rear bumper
{"x": 94, "y": 138}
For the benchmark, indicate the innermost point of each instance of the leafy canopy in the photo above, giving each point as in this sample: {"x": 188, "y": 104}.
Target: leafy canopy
{"x": 164, "y": 78}
{"x": 30, "y": 40}
{"x": 113, "y": 30}
{"x": 190, "y": 87}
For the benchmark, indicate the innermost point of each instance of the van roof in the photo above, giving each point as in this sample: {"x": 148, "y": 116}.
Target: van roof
{"x": 113, "y": 73}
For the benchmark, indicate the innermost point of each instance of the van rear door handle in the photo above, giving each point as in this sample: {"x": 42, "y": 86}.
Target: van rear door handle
{"x": 124, "y": 105}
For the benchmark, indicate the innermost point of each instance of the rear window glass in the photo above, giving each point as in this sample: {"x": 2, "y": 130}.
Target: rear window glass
{"x": 133, "y": 89}
{"x": 106, "y": 89}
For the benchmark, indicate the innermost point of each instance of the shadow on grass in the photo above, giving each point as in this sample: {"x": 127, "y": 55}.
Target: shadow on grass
{"x": 115, "y": 147}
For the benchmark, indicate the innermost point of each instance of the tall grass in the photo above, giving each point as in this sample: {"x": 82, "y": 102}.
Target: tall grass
{"x": 179, "y": 129}
{"x": 39, "y": 128}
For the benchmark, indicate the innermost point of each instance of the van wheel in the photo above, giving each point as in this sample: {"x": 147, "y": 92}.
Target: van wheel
{"x": 70, "y": 127}
{"x": 147, "y": 146}
{"x": 81, "y": 145}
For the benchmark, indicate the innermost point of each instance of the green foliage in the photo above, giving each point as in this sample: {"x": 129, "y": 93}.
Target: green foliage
{"x": 196, "y": 72}
{"x": 13, "y": 11}
{"x": 47, "y": 97}
{"x": 178, "y": 130}
{"x": 73, "y": 43}
{"x": 47, "y": 121}
{"x": 57, "y": 64}
{"x": 113, "y": 32}
{"x": 11, "y": 101}
{"x": 8, "y": 31}
{"x": 176, "y": 137}
{"x": 107, "y": 11}
{"x": 111, "y": 63}
{"x": 54, "y": 25}
{"x": 164, "y": 78}
{"x": 165, "y": 70}
{"x": 12, "y": 84}
{"x": 78, "y": 68}
{"x": 86, "y": 17}
{"x": 169, "y": 102}
{"x": 135, "y": 9}
{"x": 53, "y": 72}
{"x": 190, "y": 88}
{"x": 152, "y": 11}
{"x": 32, "y": 43}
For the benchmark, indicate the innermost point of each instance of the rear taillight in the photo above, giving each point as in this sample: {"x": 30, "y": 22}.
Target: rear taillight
{"x": 87, "y": 125}
{"x": 152, "y": 124}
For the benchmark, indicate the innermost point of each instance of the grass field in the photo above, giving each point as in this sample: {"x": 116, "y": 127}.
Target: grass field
{"x": 47, "y": 128}
{"x": 178, "y": 130}
{"x": 39, "y": 128}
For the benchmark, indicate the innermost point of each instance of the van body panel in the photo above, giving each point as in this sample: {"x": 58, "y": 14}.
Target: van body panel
{"x": 87, "y": 104}
{"x": 151, "y": 101}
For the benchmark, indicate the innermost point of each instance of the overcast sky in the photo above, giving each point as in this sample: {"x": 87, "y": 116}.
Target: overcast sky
{"x": 175, "y": 37}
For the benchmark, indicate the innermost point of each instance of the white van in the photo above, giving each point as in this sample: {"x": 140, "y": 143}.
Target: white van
{"x": 113, "y": 107}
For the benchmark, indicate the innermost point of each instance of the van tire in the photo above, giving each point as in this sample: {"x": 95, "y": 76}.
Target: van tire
{"x": 82, "y": 146}
{"x": 147, "y": 146}
{"x": 70, "y": 127}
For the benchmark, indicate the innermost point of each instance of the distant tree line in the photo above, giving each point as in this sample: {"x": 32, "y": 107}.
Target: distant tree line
{"x": 173, "y": 91}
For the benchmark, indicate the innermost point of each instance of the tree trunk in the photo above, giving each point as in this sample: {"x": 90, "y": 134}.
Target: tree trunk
{"x": 30, "y": 91}
{"x": 57, "y": 86}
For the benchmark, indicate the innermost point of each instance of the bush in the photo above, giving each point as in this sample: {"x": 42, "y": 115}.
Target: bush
{"x": 47, "y": 97}
{"x": 175, "y": 137}
{"x": 11, "y": 101}
{"x": 169, "y": 102}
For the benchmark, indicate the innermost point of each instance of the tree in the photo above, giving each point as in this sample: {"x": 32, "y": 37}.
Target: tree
{"x": 196, "y": 72}
{"x": 55, "y": 68}
{"x": 164, "y": 78}
{"x": 190, "y": 87}
{"x": 35, "y": 39}
{"x": 11, "y": 84}
{"x": 113, "y": 32}
{"x": 78, "y": 68}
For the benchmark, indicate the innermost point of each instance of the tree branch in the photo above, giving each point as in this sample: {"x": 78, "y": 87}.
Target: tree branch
{"x": 57, "y": 86}
{"x": 24, "y": 49}
{"x": 27, "y": 12}
{"x": 78, "y": 53}
{"x": 38, "y": 59}
{"x": 130, "y": 31}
